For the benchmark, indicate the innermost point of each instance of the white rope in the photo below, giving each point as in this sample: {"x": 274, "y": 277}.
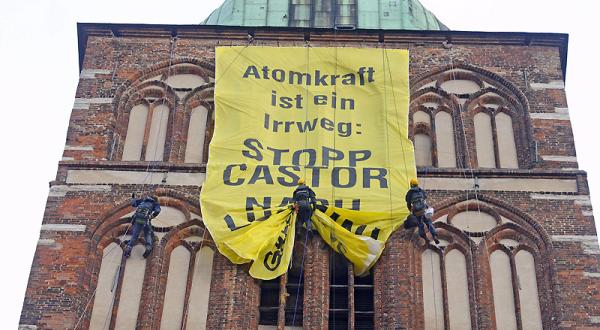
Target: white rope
{"x": 477, "y": 202}
{"x": 156, "y": 145}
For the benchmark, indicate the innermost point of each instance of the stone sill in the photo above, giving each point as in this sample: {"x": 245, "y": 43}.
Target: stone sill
{"x": 498, "y": 173}
{"x": 132, "y": 166}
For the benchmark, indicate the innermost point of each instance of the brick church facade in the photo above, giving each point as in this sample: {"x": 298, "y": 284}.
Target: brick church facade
{"x": 494, "y": 149}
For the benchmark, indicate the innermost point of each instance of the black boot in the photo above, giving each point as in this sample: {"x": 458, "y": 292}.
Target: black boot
{"x": 147, "y": 252}
{"x": 436, "y": 240}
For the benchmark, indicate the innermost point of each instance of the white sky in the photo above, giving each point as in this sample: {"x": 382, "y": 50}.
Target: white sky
{"x": 39, "y": 63}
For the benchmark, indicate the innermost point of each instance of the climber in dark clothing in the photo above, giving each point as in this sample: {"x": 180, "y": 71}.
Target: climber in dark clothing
{"x": 304, "y": 203}
{"x": 147, "y": 209}
{"x": 415, "y": 201}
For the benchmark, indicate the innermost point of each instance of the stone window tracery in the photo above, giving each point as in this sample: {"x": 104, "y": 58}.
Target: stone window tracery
{"x": 166, "y": 115}
{"x": 125, "y": 285}
{"x": 433, "y": 132}
{"x": 475, "y": 119}
{"x": 487, "y": 263}
{"x": 148, "y": 120}
{"x": 199, "y": 112}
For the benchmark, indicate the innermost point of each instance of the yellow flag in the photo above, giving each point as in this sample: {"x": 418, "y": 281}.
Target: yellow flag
{"x": 269, "y": 243}
{"x": 337, "y": 117}
{"x": 360, "y": 249}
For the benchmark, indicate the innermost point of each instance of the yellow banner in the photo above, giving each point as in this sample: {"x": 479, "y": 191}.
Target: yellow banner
{"x": 337, "y": 117}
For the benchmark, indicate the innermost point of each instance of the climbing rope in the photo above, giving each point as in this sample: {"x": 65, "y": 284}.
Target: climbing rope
{"x": 144, "y": 181}
{"x": 397, "y": 116}
{"x": 332, "y": 256}
{"x": 306, "y": 92}
{"x": 149, "y": 173}
{"x": 468, "y": 165}
{"x": 300, "y": 278}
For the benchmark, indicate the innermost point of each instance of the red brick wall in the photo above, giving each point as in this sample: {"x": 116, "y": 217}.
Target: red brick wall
{"x": 66, "y": 263}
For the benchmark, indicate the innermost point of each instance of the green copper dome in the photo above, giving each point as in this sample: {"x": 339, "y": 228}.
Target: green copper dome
{"x": 344, "y": 14}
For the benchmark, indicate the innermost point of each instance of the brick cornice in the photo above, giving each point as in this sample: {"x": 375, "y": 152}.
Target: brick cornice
{"x": 408, "y": 37}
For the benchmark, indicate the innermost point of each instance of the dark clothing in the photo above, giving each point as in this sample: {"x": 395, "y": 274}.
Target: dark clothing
{"x": 305, "y": 203}
{"x": 303, "y": 192}
{"x": 305, "y": 212}
{"x": 413, "y": 195}
{"x": 414, "y": 221}
{"x": 421, "y": 224}
{"x": 415, "y": 201}
{"x": 148, "y": 235}
{"x": 410, "y": 222}
{"x": 147, "y": 209}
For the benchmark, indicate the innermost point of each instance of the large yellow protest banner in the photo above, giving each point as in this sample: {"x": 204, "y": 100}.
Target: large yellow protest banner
{"x": 336, "y": 117}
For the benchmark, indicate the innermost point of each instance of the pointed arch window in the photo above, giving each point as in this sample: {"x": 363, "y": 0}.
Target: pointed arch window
{"x": 119, "y": 288}
{"x": 477, "y": 240}
{"x": 190, "y": 272}
{"x": 194, "y": 151}
{"x": 507, "y": 148}
{"x": 147, "y": 132}
{"x": 531, "y": 314}
{"x": 515, "y": 288}
{"x": 422, "y": 139}
{"x": 484, "y": 140}
{"x": 444, "y": 136}
{"x": 433, "y": 293}
{"x": 187, "y": 270}
{"x": 423, "y": 150}
{"x": 157, "y": 134}
{"x": 148, "y": 110}
{"x": 433, "y": 133}
{"x": 457, "y": 284}
{"x": 503, "y": 290}
{"x": 476, "y": 115}
{"x": 134, "y": 141}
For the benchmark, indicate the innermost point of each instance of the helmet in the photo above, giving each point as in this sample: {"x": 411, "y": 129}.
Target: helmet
{"x": 153, "y": 197}
{"x": 414, "y": 182}
{"x": 301, "y": 181}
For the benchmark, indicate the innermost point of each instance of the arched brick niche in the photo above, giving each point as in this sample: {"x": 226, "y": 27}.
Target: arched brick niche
{"x": 166, "y": 113}
{"x": 490, "y": 269}
{"x": 158, "y": 291}
{"x": 475, "y": 118}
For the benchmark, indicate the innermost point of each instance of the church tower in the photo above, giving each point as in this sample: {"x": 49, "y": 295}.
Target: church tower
{"x": 493, "y": 145}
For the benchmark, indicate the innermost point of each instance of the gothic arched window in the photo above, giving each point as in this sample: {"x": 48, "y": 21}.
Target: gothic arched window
{"x": 483, "y": 245}
{"x": 433, "y": 131}
{"x": 148, "y": 123}
{"x": 148, "y": 111}
{"x": 194, "y": 151}
{"x": 199, "y": 107}
{"x": 120, "y": 299}
{"x": 478, "y": 119}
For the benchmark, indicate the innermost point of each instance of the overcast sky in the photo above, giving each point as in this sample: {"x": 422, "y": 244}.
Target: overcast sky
{"x": 39, "y": 68}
